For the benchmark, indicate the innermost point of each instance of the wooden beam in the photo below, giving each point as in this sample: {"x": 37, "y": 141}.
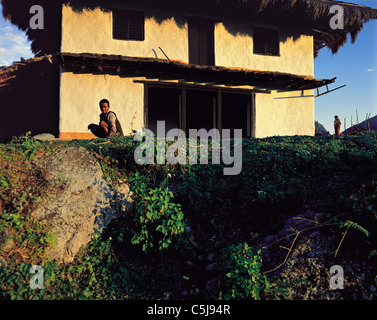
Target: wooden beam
{"x": 239, "y": 88}
{"x": 328, "y": 91}
{"x": 180, "y": 111}
{"x": 253, "y": 115}
{"x": 146, "y": 101}
{"x": 219, "y": 109}
{"x": 184, "y": 106}
{"x": 214, "y": 117}
{"x": 248, "y": 116}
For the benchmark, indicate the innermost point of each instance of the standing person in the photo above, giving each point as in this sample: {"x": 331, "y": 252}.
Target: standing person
{"x": 109, "y": 124}
{"x": 337, "y": 124}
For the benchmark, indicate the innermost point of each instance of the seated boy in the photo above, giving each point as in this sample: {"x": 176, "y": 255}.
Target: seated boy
{"x": 109, "y": 124}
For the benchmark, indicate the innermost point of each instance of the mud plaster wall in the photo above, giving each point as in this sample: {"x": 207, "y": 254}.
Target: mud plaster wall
{"x": 91, "y": 31}
{"x": 80, "y": 95}
{"x": 284, "y": 113}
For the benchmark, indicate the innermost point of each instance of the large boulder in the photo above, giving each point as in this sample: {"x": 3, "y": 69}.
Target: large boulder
{"x": 79, "y": 202}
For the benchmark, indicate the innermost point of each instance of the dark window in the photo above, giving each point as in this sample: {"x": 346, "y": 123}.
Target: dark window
{"x": 266, "y": 41}
{"x": 235, "y": 113}
{"x": 128, "y": 25}
{"x": 200, "y": 111}
{"x": 163, "y": 105}
{"x": 201, "y": 42}
{"x": 192, "y": 108}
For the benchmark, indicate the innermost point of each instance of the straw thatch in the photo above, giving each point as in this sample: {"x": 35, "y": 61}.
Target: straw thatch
{"x": 311, "y": 16}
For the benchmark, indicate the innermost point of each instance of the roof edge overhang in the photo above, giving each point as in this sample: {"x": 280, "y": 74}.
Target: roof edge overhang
{"x": 173, "y": 69}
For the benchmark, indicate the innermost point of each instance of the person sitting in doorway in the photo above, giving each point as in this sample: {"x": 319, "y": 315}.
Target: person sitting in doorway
{"x": 109, "y": 124}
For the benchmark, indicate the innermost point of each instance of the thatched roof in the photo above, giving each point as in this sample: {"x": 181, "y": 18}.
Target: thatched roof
{"x": 8, "y": 74}
{"x": 309, "y": 15}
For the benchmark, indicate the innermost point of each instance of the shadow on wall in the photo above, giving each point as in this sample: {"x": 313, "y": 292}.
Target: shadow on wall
{"x": 180, "y": 11}
{"x": 31, "y": 101}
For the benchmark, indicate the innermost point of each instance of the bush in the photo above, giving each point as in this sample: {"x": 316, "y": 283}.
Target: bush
{"x": 158, "y": 220}
{"x": 243, "y": 276}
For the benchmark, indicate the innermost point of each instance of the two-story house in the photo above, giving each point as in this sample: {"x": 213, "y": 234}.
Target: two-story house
{"x": 226, "y": 64}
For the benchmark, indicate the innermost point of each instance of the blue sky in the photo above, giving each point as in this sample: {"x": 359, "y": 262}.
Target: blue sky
{"x": 13, "y": 43}
{"x": 355, "y": 65}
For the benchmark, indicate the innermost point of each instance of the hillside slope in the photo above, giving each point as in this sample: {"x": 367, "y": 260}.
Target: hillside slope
{"x": 299, "y": 206}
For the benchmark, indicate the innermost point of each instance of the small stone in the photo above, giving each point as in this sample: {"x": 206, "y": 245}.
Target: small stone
{"x": 3, "y": 263}
{"x": 211, "y": 256}
{"x": 211, "y": 284}
{"x": 211, "y": 267}
{"x": 44, "y": 136}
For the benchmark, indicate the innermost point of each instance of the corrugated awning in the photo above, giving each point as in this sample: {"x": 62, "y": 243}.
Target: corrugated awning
{"x": 171, "y": 69}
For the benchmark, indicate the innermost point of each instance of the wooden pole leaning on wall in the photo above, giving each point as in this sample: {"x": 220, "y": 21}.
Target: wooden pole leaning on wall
{"x": 327, "y": 91}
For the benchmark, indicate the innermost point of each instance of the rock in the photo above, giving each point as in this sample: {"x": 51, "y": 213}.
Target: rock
{"x": 6, "y": 241}
{"x": 79, "y": 200}
{"x": 44, "y": 136}
{"x": 212, "y": 284}
{"x": 189, "y": 263}
{"x": 211, "y": 267}
{"x": 211, "y": 257}
{"x": 3, "y": 262}
{"x": 185, "y": 293}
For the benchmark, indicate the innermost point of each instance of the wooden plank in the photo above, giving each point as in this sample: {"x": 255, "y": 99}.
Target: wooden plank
{"x": 180, "y": 111}
{"x": 253, "y": 115}
{"x": 146, "y": 93}
{"x": 184, "y": 106}
{"x": 214, "y": 118}
{"x": 203, "y": 86}
{"x": 219, "y": 109}
{"x": 318, "y": 95}
{"x": 248, "y": 116}
{"x": 193, "y": 39}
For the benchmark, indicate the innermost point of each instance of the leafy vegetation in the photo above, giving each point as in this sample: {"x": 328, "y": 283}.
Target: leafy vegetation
{"x": 153, "y": 207}
{"x": 182, "y": 213}
{"x": 244, "y": 278}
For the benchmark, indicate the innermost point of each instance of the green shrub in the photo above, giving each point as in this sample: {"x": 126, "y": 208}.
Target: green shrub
{"x": 158, "y": 219}
{"x": 243, "y": 276}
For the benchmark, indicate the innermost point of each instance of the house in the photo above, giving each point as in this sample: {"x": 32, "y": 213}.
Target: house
{"x": 225, "y": 64}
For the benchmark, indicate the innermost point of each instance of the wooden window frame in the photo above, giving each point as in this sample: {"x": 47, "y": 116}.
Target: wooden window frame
{"x": 196, "y": 27}
{"x": 128, "y": 25}
{"x": 266, "y": 41}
